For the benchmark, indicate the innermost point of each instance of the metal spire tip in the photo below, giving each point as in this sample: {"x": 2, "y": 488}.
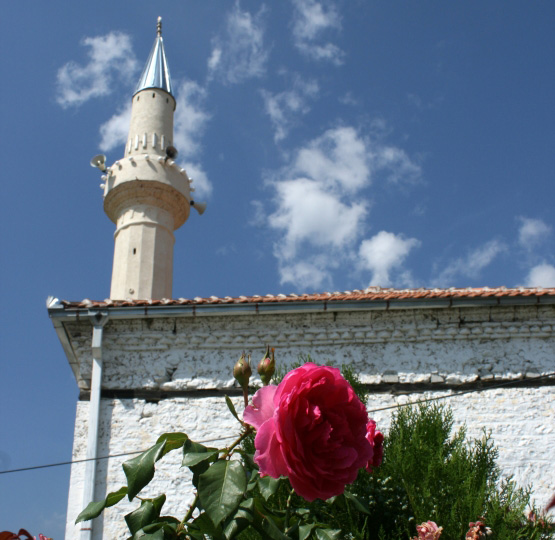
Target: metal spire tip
{"x": 159, "y": 26}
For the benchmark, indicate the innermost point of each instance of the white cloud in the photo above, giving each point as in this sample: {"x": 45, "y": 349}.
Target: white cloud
{"x": 190, "y": 118}
{"x": 201, "y": 184}
{"x": 383, "y": 253}
{"x": 114, "y": 131}
{"x": 542, "y": 275}
{"x": 214, "y": 60}
{"x": 532, "y": 232}
{"x": 396, "y": 162}
{"x": 339, "y": 158}
{"x": 471, "y": 265}
{"x": 284, "y": 108}
{"x": 307, "y": 212}
{"x": 240, "y": 55}
{"x": 111, "y": 58}
{"x": 306, "y": 275}
{"x": 319, "y": 214}
{"x": 312, "y": 19}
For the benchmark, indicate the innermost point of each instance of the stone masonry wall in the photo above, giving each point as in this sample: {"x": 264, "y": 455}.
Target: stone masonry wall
{"x": 521, "y": 422}
{"x": 432, "y": 347}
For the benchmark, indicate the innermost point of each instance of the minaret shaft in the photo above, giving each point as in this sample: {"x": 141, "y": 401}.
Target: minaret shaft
{"x": 143, "y": 254}
{"x": 147, "y": 195}
{"x": 151, "y": 129}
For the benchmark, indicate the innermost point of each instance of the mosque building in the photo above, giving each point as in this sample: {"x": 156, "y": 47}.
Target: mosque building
{"x": 147, "y": 364}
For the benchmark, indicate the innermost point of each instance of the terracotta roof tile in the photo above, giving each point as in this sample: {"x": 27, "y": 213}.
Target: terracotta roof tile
{"x": 369, "y": 294}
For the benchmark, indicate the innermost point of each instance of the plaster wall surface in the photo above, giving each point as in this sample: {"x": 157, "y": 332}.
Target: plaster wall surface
{"x": 520, "y": 420}
{"x": 195, "y": 355}
{"x": 409, "y": 346}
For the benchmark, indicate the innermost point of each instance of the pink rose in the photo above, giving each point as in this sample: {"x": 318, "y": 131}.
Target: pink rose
{"x": 428, "y": 531}
{"x": 311, "y": 428}
{"x": 375, "y": 438}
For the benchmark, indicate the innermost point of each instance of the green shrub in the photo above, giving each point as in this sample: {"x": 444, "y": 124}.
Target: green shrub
{"x": 429, "y": 472}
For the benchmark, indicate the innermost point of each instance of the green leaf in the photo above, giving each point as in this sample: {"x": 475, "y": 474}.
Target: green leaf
{"x": 144, "y": 515}
{"x": 173, "y": 441}
{"x": 232, "y": 410}
{"x": 358, "y": 504}
{"x": 272, "y": 531}
{"x": 140, "y": 470}
{"x": 253, "y": 480}
{"x": 158, "y": 531}
{"x": 241, "y": 520}
{"x": 328, "y": 534}
{"x": 158, "y": 502}
{"x": 196, "y": 448}
{"x": 143, "y": 535}
{"x": 221, "y": 488}
{"x": 203, "y": 525}
{"x": 94, "y": 509}
{"x": 268, "y": 486}
{"x": 192, "y": 447}
{"x": 194, "y": 458}
{"x": 305, "y": 530}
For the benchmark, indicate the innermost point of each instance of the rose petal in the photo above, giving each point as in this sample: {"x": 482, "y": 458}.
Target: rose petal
{"x": 262, "y": 407}
{"x": 268, "y": 455}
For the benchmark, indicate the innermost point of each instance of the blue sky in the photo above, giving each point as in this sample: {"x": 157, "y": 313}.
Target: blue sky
{"x": 339, "y": 144}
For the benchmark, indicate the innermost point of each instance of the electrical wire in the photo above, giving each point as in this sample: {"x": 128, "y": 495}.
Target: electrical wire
{"x": 397, "y": 406}
{"x": 456, "y": 394}
{"x": 97, "y": 458}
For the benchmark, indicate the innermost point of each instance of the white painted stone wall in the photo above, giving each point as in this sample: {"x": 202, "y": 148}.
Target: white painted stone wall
{"x": 435, "y": 346}
{"x": 520, "y": 420}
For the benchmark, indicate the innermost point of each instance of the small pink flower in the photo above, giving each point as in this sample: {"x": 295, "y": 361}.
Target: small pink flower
{"x": 477, "y": 531}
{"x": 375, "y": 438}
{"x": 312, "y": 428}
{"x": 428, "y": 531}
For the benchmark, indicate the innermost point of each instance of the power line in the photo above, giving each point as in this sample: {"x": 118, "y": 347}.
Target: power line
{"x": 96, "y": 458}
{"x": 397, "y": 406}
{"x": 456, "y": 394}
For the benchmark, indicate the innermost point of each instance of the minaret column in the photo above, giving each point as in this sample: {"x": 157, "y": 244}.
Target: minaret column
{"x": 147, "y": 194}
{"x": 151, "y": 128}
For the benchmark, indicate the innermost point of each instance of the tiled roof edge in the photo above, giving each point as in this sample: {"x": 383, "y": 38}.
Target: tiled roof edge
{"x": 367, "y": 295}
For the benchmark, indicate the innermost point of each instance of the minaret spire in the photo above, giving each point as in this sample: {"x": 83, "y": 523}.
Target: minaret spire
{"x": 156, "y": 73}
{"x": 147, "y": 195}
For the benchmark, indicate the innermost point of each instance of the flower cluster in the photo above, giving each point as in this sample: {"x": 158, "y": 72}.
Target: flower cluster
{"x": 477, "y": 531}
{"x": 428, "y": 531}
{"x": 21, "y": 535}
{"x": 313, "y": 429}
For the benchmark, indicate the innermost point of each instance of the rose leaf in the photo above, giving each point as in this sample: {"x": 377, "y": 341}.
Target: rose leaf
{"x": 268, "y": 486}
{"x": 194, "y": 458}
{"x": 173, "y": 441}
{"x": 94, "y": 509}
{"x": 140, "y": 470}
{"x": 359, "y": 505}
{"x": 328, "y": 534}
{"x": 241, "y": 520}
{"x": 231, "y": 408}
{"x": 221, "y": 488}
{"x": 305, "y": 530}
{"x": 144, "y": 515}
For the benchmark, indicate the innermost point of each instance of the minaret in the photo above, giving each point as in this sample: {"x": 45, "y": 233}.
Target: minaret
{"x": 146, "y": 194}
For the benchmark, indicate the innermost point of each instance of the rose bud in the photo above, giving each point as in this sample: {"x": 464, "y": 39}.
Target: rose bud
{"x": 267, "y": 366}
{"x": 242, "y": 372}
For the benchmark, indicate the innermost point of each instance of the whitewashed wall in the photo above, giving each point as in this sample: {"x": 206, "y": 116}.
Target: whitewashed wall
{"x": 434, "y": 346}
